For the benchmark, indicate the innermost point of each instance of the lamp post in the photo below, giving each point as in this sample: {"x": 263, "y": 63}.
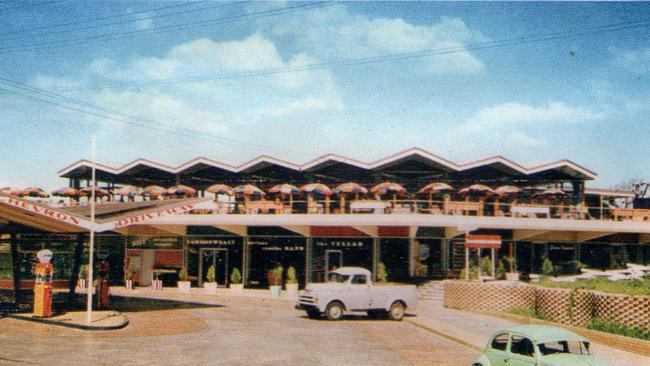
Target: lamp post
{"x": 89, "y": 288}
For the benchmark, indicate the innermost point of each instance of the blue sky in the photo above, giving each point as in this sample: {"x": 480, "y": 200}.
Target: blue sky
{"x": 245, "y": 79}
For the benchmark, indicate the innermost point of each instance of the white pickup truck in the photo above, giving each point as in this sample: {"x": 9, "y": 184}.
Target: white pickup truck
{"x": 350, "y": 289}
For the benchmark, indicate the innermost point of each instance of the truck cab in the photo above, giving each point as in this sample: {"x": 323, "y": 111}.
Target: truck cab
{"x": 351, "y": 289}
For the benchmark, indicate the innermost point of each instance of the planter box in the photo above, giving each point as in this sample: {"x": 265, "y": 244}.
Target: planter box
{"x": 292, "y": 289}
{"x": 184, "y": 286}
{"x": 156, "y": 285}
{"x": 81, "y": 283}
{"x": 237, "y": 289}
{"x": 276, "y": 291}
{"x": 210, "y": 287}
{"x": 128, "y": 284}
{"x": 512, "y": 276}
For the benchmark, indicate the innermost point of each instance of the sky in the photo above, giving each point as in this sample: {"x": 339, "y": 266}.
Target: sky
{"x": 172, "y": 81}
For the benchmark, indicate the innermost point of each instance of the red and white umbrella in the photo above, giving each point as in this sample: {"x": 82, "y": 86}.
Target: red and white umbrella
{"x": 181, "y": 190}
{"x": 318, "y": 188}
{"x": 285, "y": 189}
{"x": 127, "y": 190}
{"x": 154, "y": 190}
{"x": 477, "y": 189}
{"x": 388, "y": 187}
{"x": 66, "y": 192}
{"x": 249, "y": 190}
{"x": 508, "y": 190}
{"x": 221, "y": 189}
{"x": 435, "y": 187}
{"x": 33, "y": 192}
{"x": 10, "y": 191}
{"x": 99, "y": 192}
{"x": 349, "y": 188}
{"x": 551, "y": 192}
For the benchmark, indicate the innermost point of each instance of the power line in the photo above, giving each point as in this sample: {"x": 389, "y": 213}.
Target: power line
{"x": 103, "y": 113}
{"x": 127, "y": 21}
{"x": 544, "y": 37}
{"x": 164, "y": 29}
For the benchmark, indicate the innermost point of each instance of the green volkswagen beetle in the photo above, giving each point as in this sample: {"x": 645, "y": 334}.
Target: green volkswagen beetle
{"x": 537, "y": 345}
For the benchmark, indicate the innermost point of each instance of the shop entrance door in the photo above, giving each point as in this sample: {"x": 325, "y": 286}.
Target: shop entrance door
{"x": 217, "y": 258}
{"x": 333, "y": 260}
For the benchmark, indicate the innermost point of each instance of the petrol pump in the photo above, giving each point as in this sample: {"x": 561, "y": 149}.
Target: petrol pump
{"x": 43, "y": 284}
{"x": 102, "y": 282}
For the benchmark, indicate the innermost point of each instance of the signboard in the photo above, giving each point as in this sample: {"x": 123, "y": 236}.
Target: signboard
{"x": 143, "y": 218}
{"x": 43, "y": 211}
{"x": 482, "y": 241}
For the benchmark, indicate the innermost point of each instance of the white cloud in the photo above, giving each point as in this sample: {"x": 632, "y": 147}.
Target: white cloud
{"x": 513, "y": 115}
{"x": 335, "y": 33}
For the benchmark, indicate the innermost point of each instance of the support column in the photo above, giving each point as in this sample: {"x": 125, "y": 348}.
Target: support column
{"x": 412, "y": 257}
{"x": 76, "y": 265}
{"x": 375, "y": 256}
{"x": 494, "y": 263}
{"x": 245, "y": 259}
{"x": 15, "y": 260}
{"x": 577, "y": 251}
{"x": 467, "y": 264}
{"x": 308, "y": 260}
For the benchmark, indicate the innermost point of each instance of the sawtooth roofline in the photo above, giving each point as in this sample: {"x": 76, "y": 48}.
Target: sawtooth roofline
{"x": 311, "y": 165}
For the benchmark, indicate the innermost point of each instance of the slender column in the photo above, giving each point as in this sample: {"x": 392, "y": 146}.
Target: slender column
{"x": 308, "y": 242}
{"x": 375, "y": 255}
{"x": 245, "y": 258}
{"x": 467, "y": 263}
{"x": 494, "y": 263}
{"x": 412, "y": 257}
{"x": 15, "y": 260}
{"x": 444, "y": 256}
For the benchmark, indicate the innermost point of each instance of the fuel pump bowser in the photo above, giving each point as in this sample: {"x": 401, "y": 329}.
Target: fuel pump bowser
{"x": 43, "y": 285}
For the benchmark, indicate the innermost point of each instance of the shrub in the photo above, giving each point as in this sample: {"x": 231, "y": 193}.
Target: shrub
{"x": 235, "y": 276}
{"x": 547, "y": 267}
{"x": 291, "y": 275}
{"x": 528, "y": 313}
{"x": 486, "y": 266}
{"x": 182, "y": 275}
{"x": 210, "y": 276}
{"x": 618, "y": 328}
{"x": 83, "y": 271}
{"x": 130, "y": 272}
{"x": 382, "y": 276}
{"x": 501, "y": 270}
{"x": 473, "y": 273}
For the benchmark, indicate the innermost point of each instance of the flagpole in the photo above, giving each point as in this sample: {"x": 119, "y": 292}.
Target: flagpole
{"x": 89, "y": 287}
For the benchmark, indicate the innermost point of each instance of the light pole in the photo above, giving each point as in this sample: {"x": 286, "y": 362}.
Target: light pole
{"x": 89, "y": 288}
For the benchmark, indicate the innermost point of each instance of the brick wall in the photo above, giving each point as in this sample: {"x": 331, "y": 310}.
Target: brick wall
{"x": 571, "y": 307}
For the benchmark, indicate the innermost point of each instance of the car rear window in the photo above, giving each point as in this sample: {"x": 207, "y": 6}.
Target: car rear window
{"x": 500, "y": 342}
{"x": 522, "y": 346}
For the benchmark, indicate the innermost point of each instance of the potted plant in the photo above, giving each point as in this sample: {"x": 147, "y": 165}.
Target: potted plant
{"x": 274, "y": 277}
{"x": 211, "y": 285}
{"x": 511, "y": 272}
{"x": 382, "y": 275}
{"x": 128, "y": 277}
{"x": 183, "y": 283}
{"x": 83, "y": 274}
{"x": 236, "y": 286}
{"x": 292, "y": 282}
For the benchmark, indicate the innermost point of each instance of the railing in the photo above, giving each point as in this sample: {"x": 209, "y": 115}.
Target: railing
{"x": 563, "y": 211}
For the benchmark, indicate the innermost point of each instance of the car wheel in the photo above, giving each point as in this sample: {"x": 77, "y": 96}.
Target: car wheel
{"x": 397, "y": 311}
{"x": 313, "y": 314}
{"x": 476, "y": 364}
{"x": 334, "y": 311}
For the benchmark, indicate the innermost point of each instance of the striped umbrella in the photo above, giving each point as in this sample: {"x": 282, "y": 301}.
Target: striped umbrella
{"x": 221, "y": 189}
{"x": 349, "y": 188}
{"x": 549, "y": 192}
{"x": 435, "y": 187}
{"x": 65, "y": 192}
{"x": 318, "y": 188}
{"x": 388, "y": 187}
{"x": 180, "y": 190}
{"x": 153, "y": 191}
{"x": 33, "y": 192}
{"x": 249, "y": 190}
{"x": 507, "y": 190}
{"x": 477, "y": 189}
{"x": 10, "y": 191}
{"x": 127, "y": 190}
{"x": 99, "y": 192}
{"x": 285, "y": 190}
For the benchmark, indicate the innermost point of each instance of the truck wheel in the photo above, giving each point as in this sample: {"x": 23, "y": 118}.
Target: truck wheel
{"x": 396, "y": 311}
{"x": 313, "y": 314}
{"x": 334, "y": 311}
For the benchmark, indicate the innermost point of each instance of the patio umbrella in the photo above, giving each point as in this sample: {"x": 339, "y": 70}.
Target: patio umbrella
{"x": 557, "y": 192}
{"x": 153, "y": 191}
{"x": 249, "y": 190}
{"x": 388, "y": 187}
{"x": 477, "y": 189}
{"x": 349, "y": 188}
{"x": 127, "y": 190}
{"x": 65, "y": 192}
{"x": 10, "y": 191}
{"x": 318, "y": 188}
{"x": 33, "y": 192}
{"x": 180, "y": 190}
{"x": 99, "y": 192}
{"x": 435, "y": 187}
{"x": 507, "y": 190}
{"x": 221, "y": 189}
{"x": 285, "y": 190}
